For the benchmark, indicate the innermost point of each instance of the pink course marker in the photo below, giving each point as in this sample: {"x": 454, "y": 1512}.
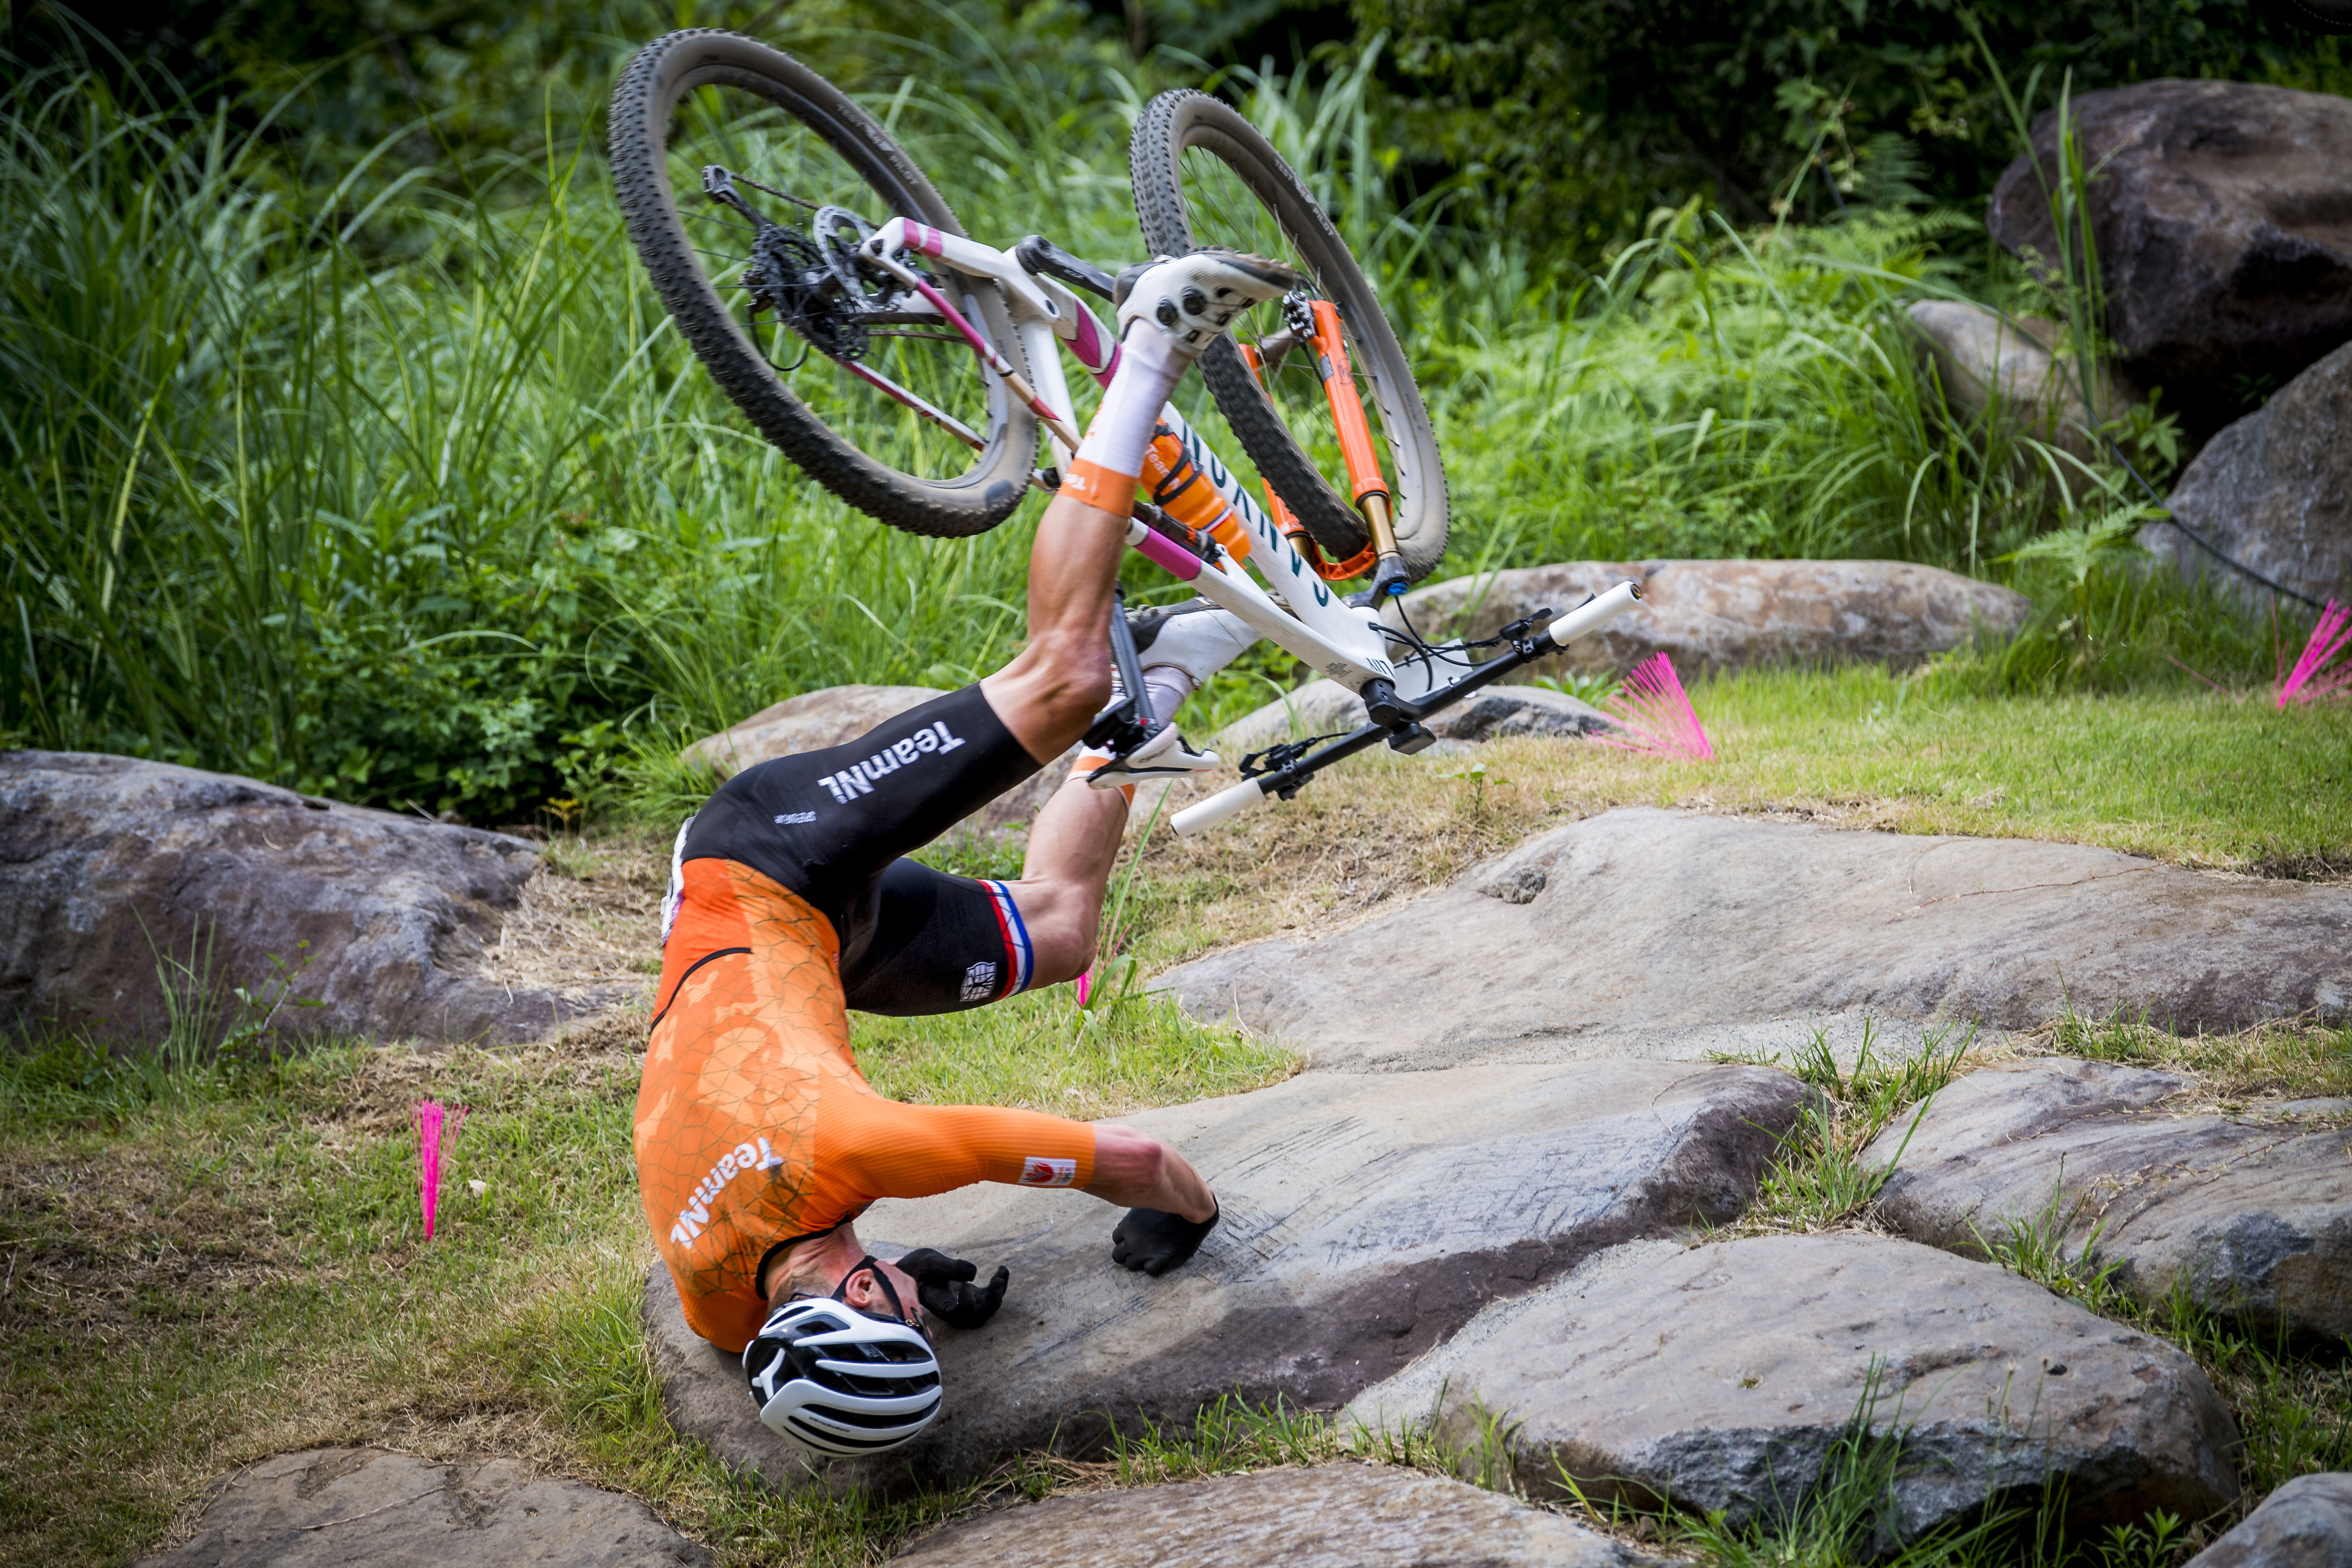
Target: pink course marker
{"x": 1657, "y": 716}
{"x": 431, "y": 1115}
{"x": 2332, "y": 636}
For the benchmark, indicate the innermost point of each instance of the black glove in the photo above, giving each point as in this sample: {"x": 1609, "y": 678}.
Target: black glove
{"x": 944, "y": 1286}
{"x": 1156, "y": 1241}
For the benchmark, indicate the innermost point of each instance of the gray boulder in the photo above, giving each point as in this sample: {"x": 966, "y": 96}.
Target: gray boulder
{"x": 808, "y": 723}
{"x": 108, "y": 863}
{"x": 1649, "y": 932}
{"x": 836, "y": 715}
{"x": 1983, "y": 362}
{"x": 2249, "y": 1214}
{"x": 2306, "y": 1524}
{"x": 2220, "y": 216}
{"x": 1334, "y": 1516}
{"x": 1320, "y": 707}
{"x": 1364, "y": 1220}
{"x": 2272, "y": 492}
{"x": 1723, "y": 1377}
{"x": 1719, "y": 615}
{"x": 376, "y": 1510}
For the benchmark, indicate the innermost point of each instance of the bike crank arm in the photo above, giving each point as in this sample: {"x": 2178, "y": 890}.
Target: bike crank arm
{"x": 1401, "y": 722}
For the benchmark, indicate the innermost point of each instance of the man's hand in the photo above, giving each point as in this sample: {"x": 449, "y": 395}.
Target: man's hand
{"x": 1155, "y": 1241}
{"x": 944, "y": 1286}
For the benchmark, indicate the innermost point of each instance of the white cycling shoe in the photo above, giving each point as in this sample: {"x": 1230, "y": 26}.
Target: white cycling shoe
{"x": 1167, "y": 755}
{"x": 1197, "y": 638}
{"x": 1192, "y": 299}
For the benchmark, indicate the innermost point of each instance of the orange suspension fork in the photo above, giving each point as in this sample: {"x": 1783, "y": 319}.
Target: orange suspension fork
{"x": 1369, "y": 488}
{"x": 1292, "y": 529}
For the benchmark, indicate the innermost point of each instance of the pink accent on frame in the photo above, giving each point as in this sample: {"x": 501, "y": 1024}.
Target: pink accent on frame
{"x": 1656, "y": 715}
{"x": 1166, "y": 553}
{"x": 1086, "y": 983}
{"x": 979, "y": 345}
{"x": 928, "y": 240}
{"x": 1089, "y": 344}
{"x": 2331, "y": 636}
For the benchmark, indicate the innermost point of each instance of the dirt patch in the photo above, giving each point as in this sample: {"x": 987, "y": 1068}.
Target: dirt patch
{"x": 122, "y": 1244}
{"x": 588, "y": 921}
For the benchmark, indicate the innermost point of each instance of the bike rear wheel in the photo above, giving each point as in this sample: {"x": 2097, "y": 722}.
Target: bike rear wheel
{"x": 759, "y": 282}
{"x": 1204, "y": 175}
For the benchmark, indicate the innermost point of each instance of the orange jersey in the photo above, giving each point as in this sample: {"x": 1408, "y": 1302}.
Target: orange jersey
{"x": 754, "y": 1128}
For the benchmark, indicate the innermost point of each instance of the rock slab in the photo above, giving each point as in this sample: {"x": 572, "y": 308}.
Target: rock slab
{"x": 1713, "y": 616}
{"x": 2250, "y": 1214}
{"x": 2306, "y": 1524}
{"x": 377, "y": 1509}
{"x": 1334, "y": 1516}
{"x": 1495, "y": 713}
{"x": 1649, "y": 932}
{"x": 2272, "y": 492}
{"x": 1365, "y": 1219}
{"x": 1723, "y": 1376}
{"x": 2223, "y": 231}
{"x": 107, "y": 864}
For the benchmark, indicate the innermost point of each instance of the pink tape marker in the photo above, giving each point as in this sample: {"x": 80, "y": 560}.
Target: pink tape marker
{"x": 432, "y": 1117}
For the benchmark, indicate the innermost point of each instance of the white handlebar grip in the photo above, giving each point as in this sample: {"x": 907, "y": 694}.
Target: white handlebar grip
{"x": 1225, "y": 802}
{"x": 1594, "y": 614}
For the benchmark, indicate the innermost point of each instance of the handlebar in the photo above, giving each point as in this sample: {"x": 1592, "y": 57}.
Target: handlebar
{"x": 1583, "y": 621}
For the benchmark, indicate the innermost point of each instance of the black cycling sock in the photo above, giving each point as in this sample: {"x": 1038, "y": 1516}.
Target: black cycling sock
{"x": 1156, "y": 1241}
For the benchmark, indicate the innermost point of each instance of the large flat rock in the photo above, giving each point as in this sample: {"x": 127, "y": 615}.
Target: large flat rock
{"x": 1365, "y": 1218}
{"x": 1649, "y": 932}
{"x": 369, "y": 1508}
{"x": 1334, "y": 1516}
{"x": 2305, "y": 1523}
{"x": 1723, "y": 1377}
{"x": 1718, "y": 616}
{"x": 108, "y": 864}
{"x": 2249, "y": 1213}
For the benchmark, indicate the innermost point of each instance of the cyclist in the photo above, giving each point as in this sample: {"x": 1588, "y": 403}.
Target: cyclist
{"x": 758, "y": 1143}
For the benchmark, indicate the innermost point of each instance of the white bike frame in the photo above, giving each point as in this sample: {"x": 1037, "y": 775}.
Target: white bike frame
{"x": 1349, "y": 643}
{"x": 1352, "y": 645}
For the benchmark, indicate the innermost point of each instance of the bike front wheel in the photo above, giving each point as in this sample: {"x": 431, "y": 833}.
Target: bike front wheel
{"x": 747, "y": 180}
{"x": 1204, "y": 175}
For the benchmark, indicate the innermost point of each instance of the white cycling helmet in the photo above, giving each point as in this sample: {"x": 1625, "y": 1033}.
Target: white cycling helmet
{"x": 829, "y": 1376}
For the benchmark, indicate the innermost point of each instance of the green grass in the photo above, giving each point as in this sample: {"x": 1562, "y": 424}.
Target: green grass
{"x": 1817, "y": 1178}
{"x": 2179, "y": 772}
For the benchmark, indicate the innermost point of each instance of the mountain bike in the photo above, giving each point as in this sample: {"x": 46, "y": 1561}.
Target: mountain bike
{"x": 910, "y": 369}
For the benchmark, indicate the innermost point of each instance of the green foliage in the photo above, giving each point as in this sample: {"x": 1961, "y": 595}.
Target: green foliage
{"x": 1581, "y": 118}
{"x": 396, "y": 485}
{"x": 1723, "y": 394}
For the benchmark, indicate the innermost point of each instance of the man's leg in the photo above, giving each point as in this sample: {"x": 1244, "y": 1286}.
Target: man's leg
{"x": 1062, "y": 679}
{"x": 1054, "y": 688}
